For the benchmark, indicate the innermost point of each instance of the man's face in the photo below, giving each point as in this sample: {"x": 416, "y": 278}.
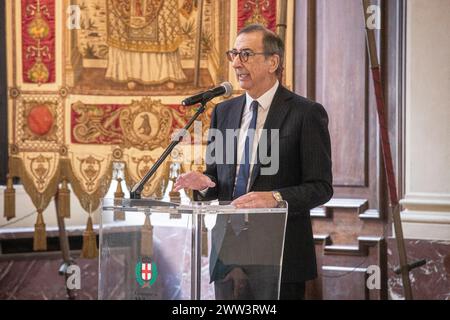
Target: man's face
{"x": 257, "y": 74}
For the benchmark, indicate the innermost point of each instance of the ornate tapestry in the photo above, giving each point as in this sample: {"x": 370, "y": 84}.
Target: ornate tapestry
{"x": 96, "y": 85}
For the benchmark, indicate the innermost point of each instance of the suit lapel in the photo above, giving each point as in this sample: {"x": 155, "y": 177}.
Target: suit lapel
{"x": 234, "y": 122}
{"x": 277, "y": 114}
{"x": 234, "y": 119}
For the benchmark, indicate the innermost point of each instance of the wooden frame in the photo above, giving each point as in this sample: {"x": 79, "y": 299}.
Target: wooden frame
{"x": 3, "y": 100}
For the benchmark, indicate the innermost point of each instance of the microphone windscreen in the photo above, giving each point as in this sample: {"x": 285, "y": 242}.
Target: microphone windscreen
{"x": 228, "y": 89}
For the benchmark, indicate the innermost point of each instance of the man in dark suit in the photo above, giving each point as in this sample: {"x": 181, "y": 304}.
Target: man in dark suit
{"x": 303, "y": 177}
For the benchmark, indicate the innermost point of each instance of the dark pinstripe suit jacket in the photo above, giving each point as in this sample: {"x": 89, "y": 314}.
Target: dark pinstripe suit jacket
{"x": 304, "y": 177}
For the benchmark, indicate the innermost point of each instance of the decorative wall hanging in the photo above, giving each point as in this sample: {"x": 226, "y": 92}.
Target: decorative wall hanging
{"x": 89, "y": 91}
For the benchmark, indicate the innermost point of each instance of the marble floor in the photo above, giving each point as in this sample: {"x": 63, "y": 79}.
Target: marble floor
{"x": 35, "y": 276}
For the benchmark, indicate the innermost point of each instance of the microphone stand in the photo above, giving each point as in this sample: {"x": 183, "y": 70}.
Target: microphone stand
{"x": 136, "y": 191}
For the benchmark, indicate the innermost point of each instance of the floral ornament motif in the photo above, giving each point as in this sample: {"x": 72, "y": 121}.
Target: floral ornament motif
{"x": 257, "y": 16}
{"x": 143, "y": 165}
{"x": 40, "y": 168}
{"x": 138, "y": 167}
{"x": 38, "y": 29}
{"x": 90, "y": 169}
{"x": 38, "y": 73}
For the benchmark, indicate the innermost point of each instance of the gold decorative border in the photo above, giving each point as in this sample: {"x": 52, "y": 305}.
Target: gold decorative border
{"x": 20, "y": 135}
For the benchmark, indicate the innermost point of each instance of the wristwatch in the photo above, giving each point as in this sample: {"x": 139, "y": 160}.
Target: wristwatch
{"x": 277, "y": 196}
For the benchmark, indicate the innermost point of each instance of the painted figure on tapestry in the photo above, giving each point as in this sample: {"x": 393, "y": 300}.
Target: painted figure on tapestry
{"x": 141, "y": 46}
{"x": 143, "y": 38}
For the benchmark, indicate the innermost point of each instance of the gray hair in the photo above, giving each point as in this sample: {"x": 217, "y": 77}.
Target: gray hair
{"x": 271, "y": 41}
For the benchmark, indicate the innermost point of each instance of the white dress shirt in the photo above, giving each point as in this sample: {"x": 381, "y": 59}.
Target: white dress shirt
{"x": 264, "y": 103}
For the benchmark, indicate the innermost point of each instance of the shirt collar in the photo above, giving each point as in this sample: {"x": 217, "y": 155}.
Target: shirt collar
{"x": 265, "y": 100}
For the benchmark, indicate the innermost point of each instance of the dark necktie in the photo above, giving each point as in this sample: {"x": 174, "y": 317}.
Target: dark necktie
{"x": 237, "y": 221}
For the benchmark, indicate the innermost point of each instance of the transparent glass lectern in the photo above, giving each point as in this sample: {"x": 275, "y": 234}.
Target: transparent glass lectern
{"x": 151, "y": 249}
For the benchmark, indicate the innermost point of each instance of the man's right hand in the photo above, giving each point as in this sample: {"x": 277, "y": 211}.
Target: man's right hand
{"x": 193, "y": 180}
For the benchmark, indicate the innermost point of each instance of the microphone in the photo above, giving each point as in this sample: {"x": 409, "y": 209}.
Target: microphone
{"x": 225, "y": 89}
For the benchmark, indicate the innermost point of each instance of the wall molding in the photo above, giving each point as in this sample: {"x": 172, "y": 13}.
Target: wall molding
{"x": 361, "y": 207}
{"x": 426, "y": 216}
{"x": 426, "y": 225}
{"x": 425, "y": 231}
{"x": 426, "y": 202}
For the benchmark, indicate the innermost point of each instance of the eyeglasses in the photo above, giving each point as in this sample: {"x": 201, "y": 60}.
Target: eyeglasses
{"x": 244, "y": 55}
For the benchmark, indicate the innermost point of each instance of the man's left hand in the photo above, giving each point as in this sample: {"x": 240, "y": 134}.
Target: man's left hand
{"x": 255, "y": 200}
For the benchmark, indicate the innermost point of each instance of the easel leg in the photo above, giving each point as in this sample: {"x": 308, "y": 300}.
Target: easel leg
{"x": 65, "y": 251}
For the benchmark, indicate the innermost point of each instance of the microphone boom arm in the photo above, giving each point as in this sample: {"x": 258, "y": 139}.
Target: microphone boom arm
{"x": 136, "y": 191}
